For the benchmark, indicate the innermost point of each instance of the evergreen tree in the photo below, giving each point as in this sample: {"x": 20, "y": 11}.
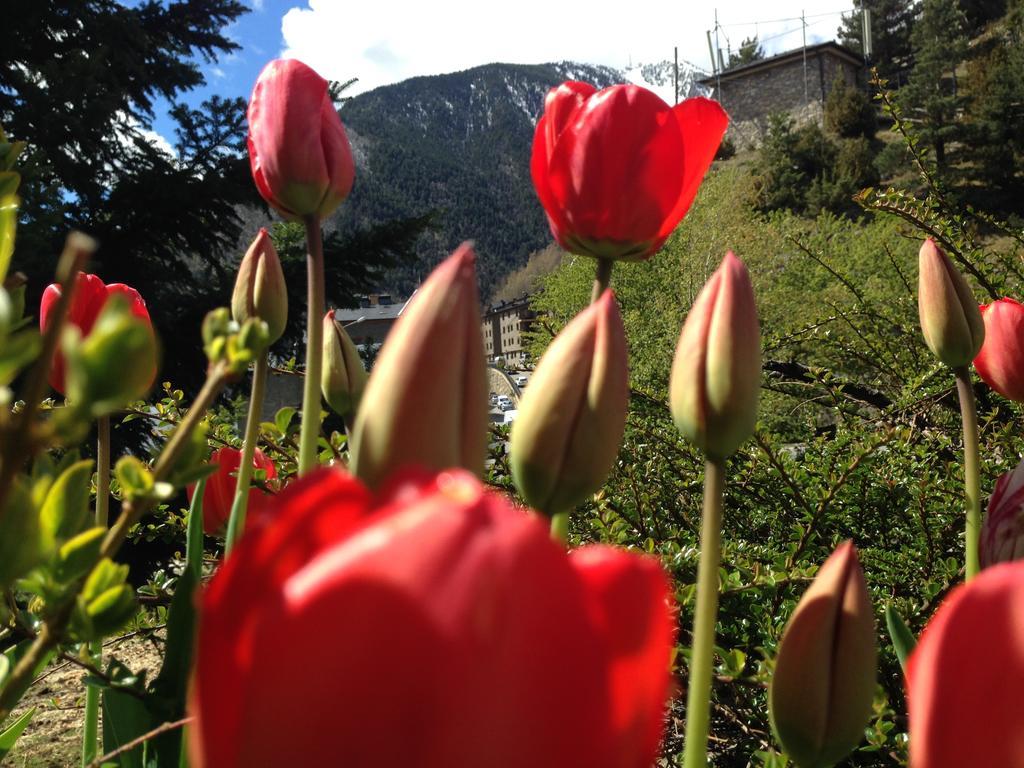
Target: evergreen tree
{"x": 848, "y": 112}
{"x": 980, "y": 13}
{"x": 750, "y": 51}
{"x": 79, "y": 80}
{"x": 996, "y": 110}
{"x": 932, "y": 98}
{"x": 891, "y": 25}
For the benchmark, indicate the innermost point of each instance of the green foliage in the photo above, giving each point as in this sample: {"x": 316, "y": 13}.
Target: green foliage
{"x": 932, "y": 96}
{"x": 848, "y": 112}
{"x": 804, "y": 170}
{"x": 456, "y": 146}
{"x": 859, "y": 437}
{"x": 750, "y": 51}
{"x": 995, "y": 79}
{"x": 10, "y": 734}
{"x": 891, "y": 25}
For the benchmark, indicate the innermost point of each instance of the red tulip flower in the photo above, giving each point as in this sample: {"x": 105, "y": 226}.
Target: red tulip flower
{"x": 88, "y": 300}
{"x": 433, "y": 625}
{"x": 1001, "y": 360}
{"x": 1002, "y": 533}
{"x": 616, "y": 170}
{"x": 298, "y": 150}
{"x": 964, "y": 677}
{"x": 219, "y": 493}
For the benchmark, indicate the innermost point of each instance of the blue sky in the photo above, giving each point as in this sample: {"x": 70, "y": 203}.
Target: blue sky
{"x": 384, "y": 41}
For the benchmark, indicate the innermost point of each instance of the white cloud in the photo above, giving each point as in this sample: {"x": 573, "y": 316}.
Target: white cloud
{"x": 383, "y": 41}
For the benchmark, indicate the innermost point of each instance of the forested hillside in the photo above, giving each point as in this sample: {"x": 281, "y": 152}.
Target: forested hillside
{"x": 458, "y": 145}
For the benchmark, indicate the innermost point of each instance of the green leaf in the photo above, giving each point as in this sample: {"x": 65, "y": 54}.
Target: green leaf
{"x": 134, "y": 477}
{"x": 172, "y": 682}
{"x": 79, "y": 554}
{"x": 10, "y": 734}
{"x": 903, "y": 640}
{"x": 125, "y": 718}
{"x": 8, "y": 224}
{"x": 284, "y": 417}
{"x": 66, "y": 507}
{"x": 17, "y": 350}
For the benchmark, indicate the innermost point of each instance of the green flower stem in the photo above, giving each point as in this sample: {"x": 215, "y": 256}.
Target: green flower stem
{"x": 560, "y": 526}
{"x": 194, "y": 534}
{"x": 90, "y": 727}
{"x": 102, "y": 470}
{"x": 314, "y": 346}
{"x": 602, "y": 276}
{"x": 698, "y": 700}
{"x": 972, "y": 470}
{"x": 236, "y": 523}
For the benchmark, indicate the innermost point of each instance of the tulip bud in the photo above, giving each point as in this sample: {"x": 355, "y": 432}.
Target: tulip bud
{"x": 105, "y": 603}
{"x": 1002, "y": 533}
{"x": 964, "y": 676}
{"x": 114, "y": 364}
{"x": 425, "y": 403}
{"x": 298, "y": 150}
{"x": 820, "y": 695}
{"x": 716, "y": 372}
{"x": 344, "y": 376}
{"x": 572, "y": 416}
{"x": 260, "y": 289}
{"x": 1000, "y": 363}
{"x": 950, "y": 320}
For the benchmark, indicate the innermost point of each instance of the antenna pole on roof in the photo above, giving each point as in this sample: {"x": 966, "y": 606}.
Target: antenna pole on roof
{"x": 866, "y": 22}
{"x": 803, "y": 27}
{"x": 718, "y": 48}
{"x": 675, "y": 75}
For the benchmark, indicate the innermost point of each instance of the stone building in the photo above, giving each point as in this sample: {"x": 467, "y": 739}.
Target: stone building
{"x": 503, "y": 328}
{"x": 796, "y": 82}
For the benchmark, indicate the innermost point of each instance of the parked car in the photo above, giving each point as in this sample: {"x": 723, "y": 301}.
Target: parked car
{"x": 521, "y": 380}
{"x": 505, "y": 403}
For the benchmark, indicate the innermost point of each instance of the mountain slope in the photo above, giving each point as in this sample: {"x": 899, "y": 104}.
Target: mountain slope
{"x": 459, "y": 144}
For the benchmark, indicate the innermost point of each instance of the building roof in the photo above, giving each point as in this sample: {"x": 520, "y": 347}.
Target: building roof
{"x": 364, "y": 314}
{"x": 507, "y": 306}
{"x": 830, "y": 46}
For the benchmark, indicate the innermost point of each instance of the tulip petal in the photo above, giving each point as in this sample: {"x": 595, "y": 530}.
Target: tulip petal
{"x": 560, "y": 107}
{"x": 425, "y": 403}
{"x": 964, "y": 676}
{"x": 298, "y": 151}
{"x": 573, "y": 414}
{"x": 87, "y": 302}
{"x": 306, "y": 516}
{"x": 608, "y": 169}
{"x": 640, "y": 634}
{"x": 446, "y": 613}
{"x": 824, "y": 680}
{"x": 702, "y": 123}
{"x": 1001, "y": 359}
{"x": 716, "y": 371}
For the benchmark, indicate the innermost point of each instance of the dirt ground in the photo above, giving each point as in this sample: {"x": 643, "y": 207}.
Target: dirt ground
{"x": 54, "y": 737}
